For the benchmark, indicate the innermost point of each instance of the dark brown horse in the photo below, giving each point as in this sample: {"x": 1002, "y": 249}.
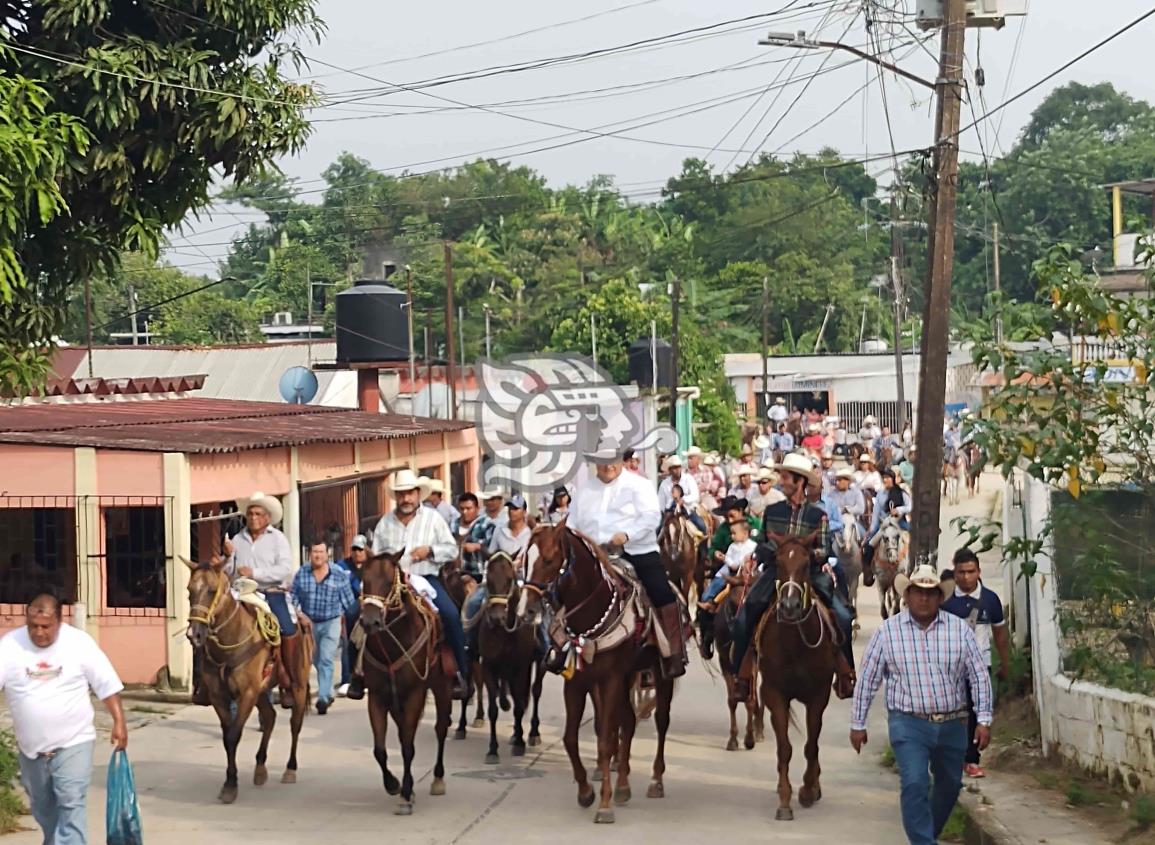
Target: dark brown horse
{"x": 723, "y": 624}
{"x": 239, "y": 666}
{"x": 509, "y": 657}
{"x": 601, "y": 617}
{"x": 402, "y": 663}
{"x": 460, "y": 586}
{"x": 679, "y": 552}
{"x": 796, "y": 656}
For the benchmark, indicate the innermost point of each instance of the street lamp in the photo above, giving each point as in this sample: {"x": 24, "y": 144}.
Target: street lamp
{"x": 799, "y": 41}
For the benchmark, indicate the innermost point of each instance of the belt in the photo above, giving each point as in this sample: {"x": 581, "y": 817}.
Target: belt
{"x": 940, "y": 717}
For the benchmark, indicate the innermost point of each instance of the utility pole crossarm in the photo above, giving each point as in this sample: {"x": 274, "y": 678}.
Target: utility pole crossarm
{"x": 893, "y": 68}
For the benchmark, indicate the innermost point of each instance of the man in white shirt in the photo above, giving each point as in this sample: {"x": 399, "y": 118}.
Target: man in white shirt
{"x": 441, "y": 504}
{"x": 618, "y": 508}
{"x": 691, "y": 496}
{"x": 777, "y": 412}
{"x": 46, "y": 670}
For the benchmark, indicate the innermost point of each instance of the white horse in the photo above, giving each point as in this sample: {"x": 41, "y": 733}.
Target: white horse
{"x": 848, "y": 549}
{"x": 891, "y": 556}
{"x": 954, "y": 476}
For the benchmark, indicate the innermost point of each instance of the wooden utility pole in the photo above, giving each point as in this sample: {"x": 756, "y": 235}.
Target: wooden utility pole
{"x": 998, "y": 286}
{"x": 765, "y": 348}
{"x": 936, "y": 314}
{"x": 451, "y": 353}
{"x": 677, "y": 306}
{"x": 88, "y": 319}
{"x": 896, "y": 284}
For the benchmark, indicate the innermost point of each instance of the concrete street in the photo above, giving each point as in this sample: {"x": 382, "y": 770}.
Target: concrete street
{"x": 710, "y": 793}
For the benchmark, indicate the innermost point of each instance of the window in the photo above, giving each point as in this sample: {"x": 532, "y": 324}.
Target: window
{"x": 370, "y": 504}
{"x": 210, "y": 524}
{"x": 37, "y": 547}
{"x": 134, "y": 551}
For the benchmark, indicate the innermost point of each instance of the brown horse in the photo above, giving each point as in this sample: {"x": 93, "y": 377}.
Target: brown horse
{"x": 679, "y": 552}
{"x": 890, "y": 558}
{"x": 239, "y": 666}
{"x": 755, "y": 711}
{"x": 601, "y": 616}
{"x": 974, "y": 456}
{"x": 508, "y": 647}
{"x": 402, "y": 663}
{"x": 797, "y": 648}
{"x": 460, "y": 586}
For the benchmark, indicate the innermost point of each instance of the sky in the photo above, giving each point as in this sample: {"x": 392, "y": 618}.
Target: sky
{"x": 714, "y": 93}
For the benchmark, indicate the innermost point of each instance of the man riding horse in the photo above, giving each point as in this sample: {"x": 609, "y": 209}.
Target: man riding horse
{"x": 688, "y": 506}
{"x": 621, "y": 509}
{"x": 800, "y": 518}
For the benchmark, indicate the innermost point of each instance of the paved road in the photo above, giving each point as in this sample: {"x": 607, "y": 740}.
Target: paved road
{"x": 709, "y": 792}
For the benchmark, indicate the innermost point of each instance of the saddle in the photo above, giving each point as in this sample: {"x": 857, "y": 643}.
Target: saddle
{"x": 252, "y": 600}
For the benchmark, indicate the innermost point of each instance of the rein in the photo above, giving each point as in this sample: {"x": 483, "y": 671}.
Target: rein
{"x": 395, "y": 601}
{"x": 233, "y": 657}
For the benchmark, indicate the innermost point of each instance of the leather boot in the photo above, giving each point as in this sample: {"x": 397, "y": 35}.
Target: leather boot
{"x": 670, "y": 618}
{"x": 356, "y": 689}
{"x": 289, "y": 657}
{"x": 462, "y": 690}
{"x": 706, "y": 634}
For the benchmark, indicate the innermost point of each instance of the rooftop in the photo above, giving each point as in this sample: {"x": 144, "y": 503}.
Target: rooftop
{"x": 198, "y": 425}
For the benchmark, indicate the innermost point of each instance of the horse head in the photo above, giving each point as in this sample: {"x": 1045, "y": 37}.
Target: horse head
{"x": 381, "y": 590}
{"x": 208, "y": 585}
{"x": 793, "y": 588}
{"x": 501, "y": 589}
{"x": 846, "y": 541}
{"x": 555, "y": 557}
{"x": 892, "y": 539}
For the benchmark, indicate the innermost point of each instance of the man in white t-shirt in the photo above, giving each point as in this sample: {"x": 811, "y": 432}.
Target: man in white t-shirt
{"x": 46, "y": 671}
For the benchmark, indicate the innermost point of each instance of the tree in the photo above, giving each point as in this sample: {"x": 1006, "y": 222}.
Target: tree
{"x": 172, "y": 98}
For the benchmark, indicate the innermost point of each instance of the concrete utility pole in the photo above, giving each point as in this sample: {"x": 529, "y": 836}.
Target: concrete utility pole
{"x": 676, "y": 305}
{"x": 450, "y": 352}
{"x": 896, "y": 283}
{"x": 998, "y": 285}
{"x": 132, "y": 313}
{"x": 765, "y": 348}
{"x": 936, "y": 319}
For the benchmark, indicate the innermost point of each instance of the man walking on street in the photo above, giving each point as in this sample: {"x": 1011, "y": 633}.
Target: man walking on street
{"x": 46, "y": 670}
{"x": 352, "y": 566}
{"x": 927, "y": 657}
{"x": 982, "y": 609}
{"x": 324, "y": 594}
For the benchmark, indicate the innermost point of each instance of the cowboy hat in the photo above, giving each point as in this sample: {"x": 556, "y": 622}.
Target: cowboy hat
{"x": 779, "y": 401}
{"x": 765, "y": 474}
{"x": 271, "y": 505}
{"x": 491, "y": 493}
{"x": 761, "y": 442}
{"x": 745, "y": 469}
{"x": 868, "y": 419}
{"x": 813, "y": 428}
{"x": 747, "y": 449}
{"x": 799, "y": 465}
{"x": 710, "y": 460}
{"x": 407, "y": 479}
{"x": 845, "y": 472}
{"x": 673, "y": 461}
{"x": 867, "y": 458}
{"x": 924, "y": 577}
{"x": 730, "y": 503}
{"x": 693, "y": 451}
{"x": 435, "y": 485}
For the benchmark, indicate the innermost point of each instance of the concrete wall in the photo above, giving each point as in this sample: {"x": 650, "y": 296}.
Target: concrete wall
{"x": 1109, "y": 732}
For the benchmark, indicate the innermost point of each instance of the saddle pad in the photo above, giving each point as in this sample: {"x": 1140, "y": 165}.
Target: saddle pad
{"x": 256, "y": 601}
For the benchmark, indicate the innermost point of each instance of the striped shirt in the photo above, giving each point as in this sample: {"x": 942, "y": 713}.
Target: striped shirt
{"x": 426, "y": 528}
{"x": 926, "y": 670}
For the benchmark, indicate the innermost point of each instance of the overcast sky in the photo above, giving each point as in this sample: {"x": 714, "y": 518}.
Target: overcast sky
{"x": 395, "y": 129}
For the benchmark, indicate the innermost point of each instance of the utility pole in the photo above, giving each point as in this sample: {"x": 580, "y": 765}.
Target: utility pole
{"x": 676, "y": 305}
{"x": 88, "y": 318}
{"x": 488, "y": 348}
{"x": 896, "y": 283}
{"x": 132, "y": 313}
{"x": 936, "y": 314}
{"x": 412, "y": 342}
{"x": 309, "y": 318}
{"x": 461, "y": 342}
{"x": 998, "y": 287}
{"x": 450, "y": 352}
{"x": 594, "y": 337}
{"x": 765, "y": 348}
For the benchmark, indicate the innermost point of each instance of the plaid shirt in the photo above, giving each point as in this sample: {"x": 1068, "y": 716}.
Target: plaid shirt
{"x": 926, "y": 671}
{"x": 478, "y": 531}
{"x": 326, "y": 599}
{"x": 784, "y": 518}
{"x": 426, "y": 528}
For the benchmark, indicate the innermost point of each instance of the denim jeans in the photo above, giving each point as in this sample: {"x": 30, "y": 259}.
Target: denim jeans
{"x": 279, "y": 604}
{"x": 57, "y": 789}
{"x": 326, "y": 637}
{"x": 922, "y": 749}
{"x": 717, "y": 585}
{"x": 450, "y": 623}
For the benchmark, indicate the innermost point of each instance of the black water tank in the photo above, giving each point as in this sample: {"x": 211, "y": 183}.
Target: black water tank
{"x": 371, "y": 323}
{"x": 642, "y": 363}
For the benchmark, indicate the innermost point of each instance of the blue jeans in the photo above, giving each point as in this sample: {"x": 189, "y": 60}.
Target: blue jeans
{"x": 717, "y": 585}
{"x": 451, "y": 622}
{"x": 326, "y": 637}
{"x": 57, "y": 789}
{"x": 923, "y": 749}
{"x": 279, "y": 604}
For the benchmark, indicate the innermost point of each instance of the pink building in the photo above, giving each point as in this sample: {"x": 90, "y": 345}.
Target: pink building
{"x": 102, "y": 498}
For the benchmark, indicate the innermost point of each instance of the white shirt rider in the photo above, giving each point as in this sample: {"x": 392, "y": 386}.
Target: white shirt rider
{"x": 690, "y": 493}
{"x": 627, "y": 505}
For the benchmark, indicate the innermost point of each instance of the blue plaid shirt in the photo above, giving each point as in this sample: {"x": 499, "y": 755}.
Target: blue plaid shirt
{"x": 326, "y": 599}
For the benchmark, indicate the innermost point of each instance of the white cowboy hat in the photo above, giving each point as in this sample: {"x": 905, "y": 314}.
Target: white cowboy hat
{"x": 491, "y": 493}
{"x": 673, "y": 461}
{"x": 435, "y": 485}
{"x": 845, "y": 472}
{"x": 799, "y": 465}
{"x": 779, "y": 401}
{"x": 693, "y": 451}
{"x": 710, "y": 460}
{"x": 827, "y": 455}
{"x": 407, "y": 479}
{"x": 866, "y": 458}
{"x": 868, "y": 419}
{"x": 747, "y": 449}
{"x": 925, "y": 577}
{"x": 813, "y": 428}
{"x": 271, "y": 504}
{"x": 761, "y": 442}
{"x": 745, "y": 469}
{"x": 766, "y": 474}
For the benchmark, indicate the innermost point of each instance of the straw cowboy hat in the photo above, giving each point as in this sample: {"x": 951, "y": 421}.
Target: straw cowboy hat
{"x": 407, "y": 479}
{"x": 925, "y": 577}
{"x": 693, "y": 452}
{"x": 866, "y": 458}
{"x": 765, "y": 474}
{"x": 779, "y": 401}
{"x": 491, "y": 493}
{"x": 799, "y": 465}
{"x": 436, "y": 485}
{"x": 747, "y": 449}
{"x": 710, "y": 460}
{"x": 761, "y": 442}
{"x": 845, "y": 472}
{"x": 271, "y": 504}
{"x": 673, "y": 461}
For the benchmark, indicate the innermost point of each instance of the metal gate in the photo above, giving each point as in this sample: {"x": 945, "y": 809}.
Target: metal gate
{"x": 853, "y": 413}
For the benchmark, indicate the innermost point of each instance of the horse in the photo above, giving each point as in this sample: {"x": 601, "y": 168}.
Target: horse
{"x": 239, "y": 665}
{"x": 975, "y": 460}
{"x": 459, "y": 590}
{"x": 508, "y": 648}
{"x": 402, "y": 664}
{"x": 885, "y": 457}
{"x": 890, "y": 558}
{"x": 602, "y": 616}
{"x": 855, "y": 450}
{"x": 954, "y": 475}
{"x": 848, "y": 550}
{"x": 680, "y": 552}
{"x": 797, "y": 647}
{"x": 722, "y": 625}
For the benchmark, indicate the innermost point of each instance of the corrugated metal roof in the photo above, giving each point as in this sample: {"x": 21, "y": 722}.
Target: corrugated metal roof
{"x": 200, "y": 425}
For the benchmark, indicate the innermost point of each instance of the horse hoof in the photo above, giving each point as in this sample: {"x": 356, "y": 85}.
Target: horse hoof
{"x": 518, "y": 749}
{"x": 656, "y": 790}
{"x": 805, "y": 798}
{"x": 492, "y": 759}
{"x": 392, "y": 785}
{"x": 749, "y": 743}
{"x": 289, "y": 776}
{"x": 586, "y": 799}
{"x": 622, "y": 795}
{"x": 504, "y": 704}
{"x": 260, "y": 776}
{"x": 479, "y": 723}
{"x": 604, "y": 817}
{"x": 784, "y": 814}
{"x": 437, "y": 787}
{"x": 228, "y": 794}
{"x": 459, "y": 733}
{"x": 732, "y": 745}
{"x": 404, "y": 808}
{"x": 534, "y": 740}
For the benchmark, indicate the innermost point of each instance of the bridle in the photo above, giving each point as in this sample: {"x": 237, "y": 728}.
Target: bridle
{"x": 805, "y": 592}
{"x": 510, "y": 598}
{"x": 205, "y": 615}
{"x": 395, "y": 602}
{"x": 548, "y": 592}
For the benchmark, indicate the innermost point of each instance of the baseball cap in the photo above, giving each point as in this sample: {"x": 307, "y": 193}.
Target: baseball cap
{"x": 516, "y": 501}
{"x": 360, "y": 542}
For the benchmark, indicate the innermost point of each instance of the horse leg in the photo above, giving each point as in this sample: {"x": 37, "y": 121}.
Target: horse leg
{"x": 296, "y": 720}
{"x": 379, "y": 722}
{"x": 492, "y": 682}
{"x": 811, "y": 791}
{"x": 268, "y": 719}
{"x": 535, "y": 722}
{"x": 444, "y": 706}
{"x": 732, "y": 744}
{"x": 519, "y": 689}
{"x": 478, "y": 677}
{"x": 461, "y": 733}
{"x": 665, "y": 694}
{"x": 780, "y": 719}
{"x": 408, "y": 718}
{"x": 230, "y": 736}
{"x": 622, "y": 792}
{"x": 882, "y": 599}
{"x": 751, "y": 710}
{"x": 575, "y": 705}
{"x": 614, "y": 694}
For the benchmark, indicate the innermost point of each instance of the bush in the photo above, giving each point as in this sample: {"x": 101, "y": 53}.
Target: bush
{"x": 11, "y": 802}
{"x": 1143, "y": 811}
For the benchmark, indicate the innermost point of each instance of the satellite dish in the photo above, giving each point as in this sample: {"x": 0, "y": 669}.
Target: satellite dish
{"x": 298, "y": 385}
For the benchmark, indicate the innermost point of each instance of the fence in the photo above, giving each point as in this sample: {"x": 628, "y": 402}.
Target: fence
{"x": 853, "y": 413}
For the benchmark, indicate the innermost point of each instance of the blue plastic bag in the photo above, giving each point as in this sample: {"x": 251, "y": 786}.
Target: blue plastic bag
{"x": 122, "y": 815}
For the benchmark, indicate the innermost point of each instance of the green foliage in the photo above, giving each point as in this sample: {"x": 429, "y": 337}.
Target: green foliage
{"x": 955, "y": 829}
{"x": 124, "y": 135}
{"x": 1143, "y": 810}
{"x": 888, "y": 760}
{"x": 11, "y": 803}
